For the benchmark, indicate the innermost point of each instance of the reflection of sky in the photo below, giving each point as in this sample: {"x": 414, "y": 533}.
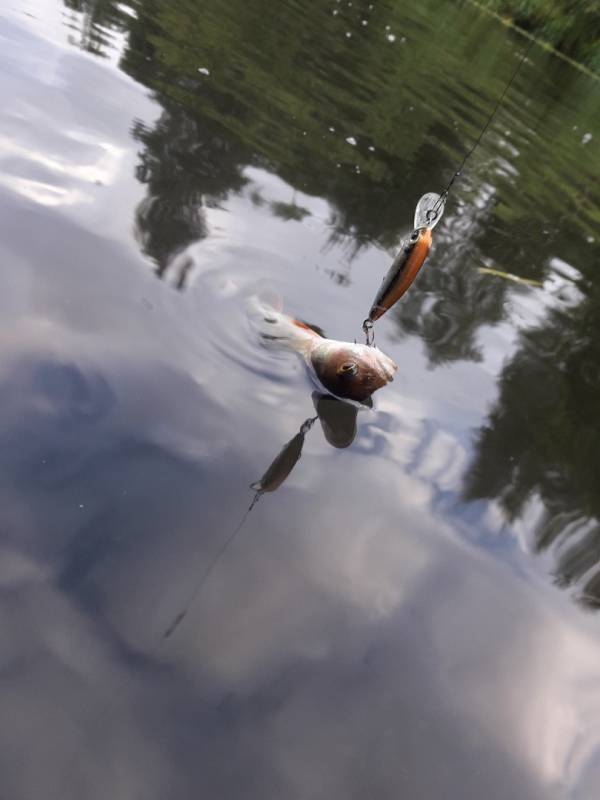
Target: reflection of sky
{"x": 356, "y": 640}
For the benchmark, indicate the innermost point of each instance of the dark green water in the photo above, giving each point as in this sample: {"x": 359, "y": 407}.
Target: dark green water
{"x": 411, "y": 615}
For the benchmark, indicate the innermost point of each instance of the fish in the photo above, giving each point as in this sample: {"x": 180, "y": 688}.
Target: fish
{"x": 410, "y": 257}
{"x": 346, "y": 370}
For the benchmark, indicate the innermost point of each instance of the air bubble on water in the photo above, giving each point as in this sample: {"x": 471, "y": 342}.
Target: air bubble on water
{"x": 203, "y": 70}
{"x": 390, "y": 37}
{"x": 387, "y": 27}
{"x": 402, "y": 39}
{"x": 371, "y": 148}
{"x": 590, "y": 239}
{"x": 575, "y": 127}
{"x": 351, "y": 140}
{"x": 303, "y": 133}
{"x": 332, "y": 129}
{"x": 364, "y": 22}
{"x": 80, "y": 505}
{"x": 587, "y": 137}
{"x": 348, "y": 35}
{"x": 335, "y": 12}
{"x": 338, "y": 165}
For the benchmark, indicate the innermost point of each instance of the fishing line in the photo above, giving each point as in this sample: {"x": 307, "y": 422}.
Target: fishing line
{"x": 433, "y": 212}
{"x": 178, "y": 619}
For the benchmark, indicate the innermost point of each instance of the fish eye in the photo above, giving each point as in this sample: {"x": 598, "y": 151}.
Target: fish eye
{"x": 348, "y": 368}
{"x": 414, "y": 236}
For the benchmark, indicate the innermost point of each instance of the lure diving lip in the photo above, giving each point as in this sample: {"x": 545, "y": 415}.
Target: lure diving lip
{"x": 410, "y": 257}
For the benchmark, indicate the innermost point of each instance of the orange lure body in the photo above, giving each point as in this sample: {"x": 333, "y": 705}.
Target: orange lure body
{"x": 402, "y": 272}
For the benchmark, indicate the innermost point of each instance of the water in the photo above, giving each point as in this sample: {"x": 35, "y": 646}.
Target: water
{"x": 411, "y": 612}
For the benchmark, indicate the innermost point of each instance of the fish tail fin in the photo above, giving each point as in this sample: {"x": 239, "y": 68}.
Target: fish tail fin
{"x": 277, "y": 329}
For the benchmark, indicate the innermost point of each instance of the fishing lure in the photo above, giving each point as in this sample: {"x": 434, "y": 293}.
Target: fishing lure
{"x": 411, "y": 256}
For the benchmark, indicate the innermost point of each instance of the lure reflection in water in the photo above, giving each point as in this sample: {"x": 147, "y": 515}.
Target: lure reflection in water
{"x": 411, "y": 256}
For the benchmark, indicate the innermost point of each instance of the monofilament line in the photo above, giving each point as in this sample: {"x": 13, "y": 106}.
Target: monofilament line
{"x": 475, "y": 145}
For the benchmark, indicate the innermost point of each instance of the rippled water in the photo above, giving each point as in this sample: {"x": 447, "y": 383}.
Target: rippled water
{"x": 410, "y": 611}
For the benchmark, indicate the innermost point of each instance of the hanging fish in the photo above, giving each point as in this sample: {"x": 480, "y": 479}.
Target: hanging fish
{"x": 343, "y": 369}
{"x": 411, "y": 256}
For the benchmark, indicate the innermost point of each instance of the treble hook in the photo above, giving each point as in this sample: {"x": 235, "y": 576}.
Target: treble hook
{"x": 369, "y": 332}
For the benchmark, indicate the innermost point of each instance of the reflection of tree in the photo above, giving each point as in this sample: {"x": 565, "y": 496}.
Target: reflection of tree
{"x": 187, "y": 166}
{"x": 99, "y": 17}
{"x": 543, "y": 440}
{"x": 367, "y": 126}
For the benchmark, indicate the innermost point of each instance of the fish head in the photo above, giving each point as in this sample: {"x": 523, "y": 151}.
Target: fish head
{"x": 350, "y": 371}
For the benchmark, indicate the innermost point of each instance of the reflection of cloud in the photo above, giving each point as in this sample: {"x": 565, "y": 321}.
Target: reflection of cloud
{"x": 44, "y": 193}
{"x": 543, "y": 713}
{"x": 101, "y": 169}
{"x": 348, "y": 635}
{"x": 58, "y": 678}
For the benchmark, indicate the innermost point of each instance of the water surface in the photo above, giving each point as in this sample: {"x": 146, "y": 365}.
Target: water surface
{"x": 412, "y": 612}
